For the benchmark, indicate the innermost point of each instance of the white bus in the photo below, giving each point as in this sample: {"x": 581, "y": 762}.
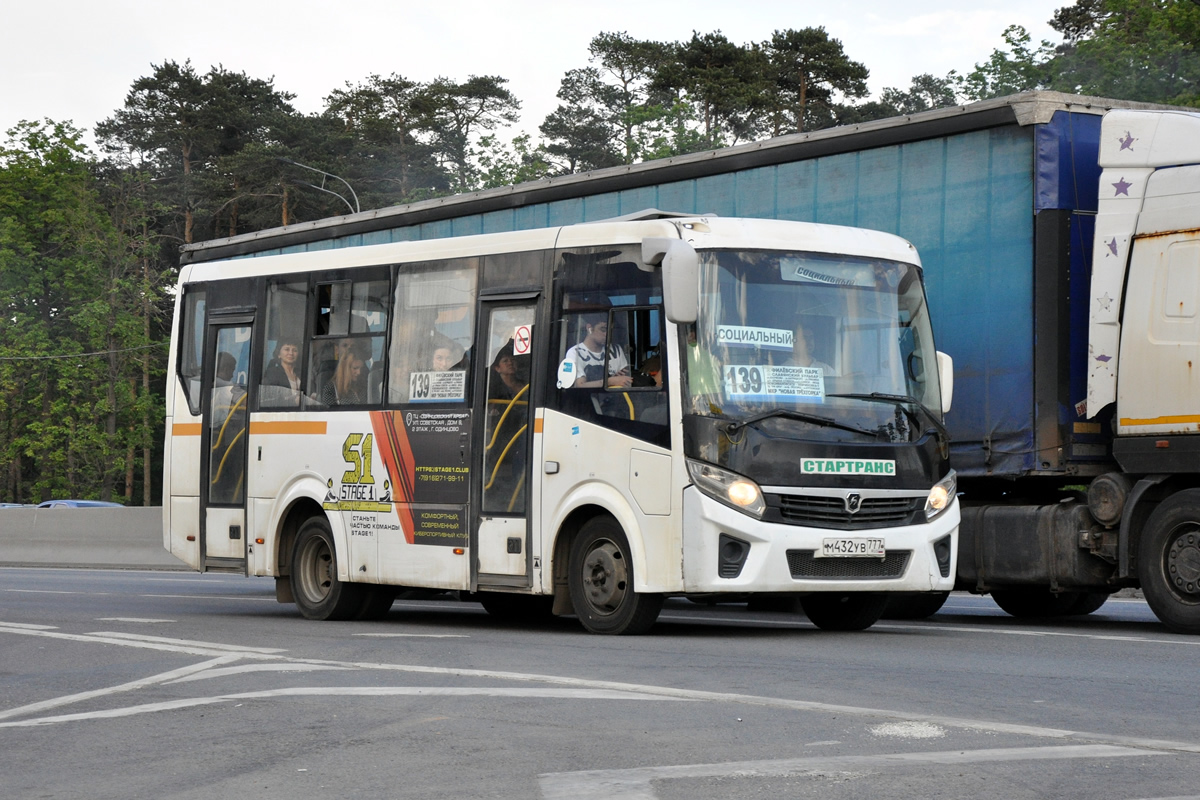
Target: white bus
{"x": 576, "y": 420}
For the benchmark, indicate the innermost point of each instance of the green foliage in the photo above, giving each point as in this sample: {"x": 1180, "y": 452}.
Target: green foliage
{"x": 71, "y": 287}
{"x": 1020, "y": 68}
{"x": 1142, "y": 50}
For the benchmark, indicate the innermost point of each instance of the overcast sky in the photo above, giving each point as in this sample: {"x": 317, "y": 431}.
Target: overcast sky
{"x": 76, "y": 59}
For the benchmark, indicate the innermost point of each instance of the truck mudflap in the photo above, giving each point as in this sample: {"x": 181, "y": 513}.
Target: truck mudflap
{"x": 1007, "y": 546}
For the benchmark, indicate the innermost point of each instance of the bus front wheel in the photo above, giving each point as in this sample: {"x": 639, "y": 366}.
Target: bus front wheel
{"x": 315, "y": 586}
{"x": 601, "y": 581}
{"x": 844, "y": 611}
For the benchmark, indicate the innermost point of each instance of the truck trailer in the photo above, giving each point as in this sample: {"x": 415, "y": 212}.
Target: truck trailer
{"x": 1057, "y": 244}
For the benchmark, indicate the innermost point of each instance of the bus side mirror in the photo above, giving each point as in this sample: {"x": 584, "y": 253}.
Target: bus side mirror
{"x": 680, "y": 274}
{"x": 946, "y": 379}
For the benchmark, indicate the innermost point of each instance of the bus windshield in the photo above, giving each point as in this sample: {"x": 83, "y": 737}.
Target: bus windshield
{"x": 834, "y": 347}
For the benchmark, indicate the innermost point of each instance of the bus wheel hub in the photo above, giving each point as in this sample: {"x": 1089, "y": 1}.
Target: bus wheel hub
{"x": 604, "y": 576}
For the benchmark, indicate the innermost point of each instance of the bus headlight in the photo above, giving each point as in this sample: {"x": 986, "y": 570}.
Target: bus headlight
{"x": 727, "y": 487}
{"x": 941, "y": 495}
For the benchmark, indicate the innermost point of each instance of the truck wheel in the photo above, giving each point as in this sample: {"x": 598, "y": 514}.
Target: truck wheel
{"x": 1088, "y": 602}
{"x": 915, "y": 606}
{"x": 315, "y": 586}
{"x": 1169, "y": 561}
{"x": 601, "y": 581}
{"x": 1036, "y": 603}
{"x": 846, "y": 611}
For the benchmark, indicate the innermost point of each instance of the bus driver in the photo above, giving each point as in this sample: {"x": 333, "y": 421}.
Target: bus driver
{"x": 588, "y": 356}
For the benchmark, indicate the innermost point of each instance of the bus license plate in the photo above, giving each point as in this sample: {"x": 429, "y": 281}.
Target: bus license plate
{"x": 852, "y": 548}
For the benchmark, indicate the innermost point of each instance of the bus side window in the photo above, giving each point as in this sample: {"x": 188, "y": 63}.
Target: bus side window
{"x": 283, "y": 345}
{"x": 346, "y": 359}
{"x": 433, "y": 333}
{"x": 191, "y": 347}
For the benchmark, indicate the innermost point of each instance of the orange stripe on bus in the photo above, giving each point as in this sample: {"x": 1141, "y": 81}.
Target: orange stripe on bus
{"x": 186, "y": 429}
{"x": 276, "y": 426}
{"x": 537, "y": 424}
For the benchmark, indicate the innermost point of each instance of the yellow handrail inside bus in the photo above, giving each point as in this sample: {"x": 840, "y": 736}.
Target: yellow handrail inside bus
{"x": 504, "y": 416}
{"x": 228, "y": 450}
{"x": 629, "y": 402}
{"x": 516, "y": 493}
{"x": 500, "y": 460}
{"x": 241, "y": 400}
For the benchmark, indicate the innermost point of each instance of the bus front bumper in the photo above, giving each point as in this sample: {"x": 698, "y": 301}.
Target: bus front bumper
{"x": 788, "y": 558}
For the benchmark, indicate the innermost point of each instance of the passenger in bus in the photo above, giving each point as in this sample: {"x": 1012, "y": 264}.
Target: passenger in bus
{"x": 447, "y": 355}
{"x": 803, "y": 344}
{"x": 283, "y": 369}
{"x": 589, "y": 354}
{"x": 344, "y": 388}
{"x": 328, "y": 365}
{"x": 504, "y": 379}
{"x": 507, "y": 419}
{"x": 651, "y": 406}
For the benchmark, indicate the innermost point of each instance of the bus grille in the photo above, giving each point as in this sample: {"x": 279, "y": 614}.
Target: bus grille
{"x": 830, "y": 512}
{"x": 803, "y": 565}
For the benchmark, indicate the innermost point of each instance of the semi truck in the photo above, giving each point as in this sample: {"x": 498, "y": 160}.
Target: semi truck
{"x": 1060, "y": 242}
{"x": 1137, "y": 522}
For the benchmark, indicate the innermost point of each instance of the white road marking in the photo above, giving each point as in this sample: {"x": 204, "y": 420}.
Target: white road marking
{"x": 202, "y": 596}
{"x": 244, "y": 668}
{"x": 909, "y": 730}
{"x": 141, "y": 683}
{"x": 415, "y": 635}
{"x": 802, "y": 623}
{"x": 341, "y": 691}
{"x": 200, "y": 648}
{"x": 94, "y": 639}
{"x": 231, "y": 648}
{"x": 636, "y": 784}
{"x": 48, "y": 591}
{"x": 28, "y": 627}
{"x": 131, "y": 619}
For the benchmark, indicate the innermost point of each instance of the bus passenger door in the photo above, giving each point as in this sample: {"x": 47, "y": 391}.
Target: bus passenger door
{"x": 225, "y": 430}
{"x": 501, "y": 536}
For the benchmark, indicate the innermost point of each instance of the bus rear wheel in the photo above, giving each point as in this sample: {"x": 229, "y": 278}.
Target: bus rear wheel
{"x": 844, "y": 611}
{"x": 601, "y": 581}
{"x": 315, "y": 586}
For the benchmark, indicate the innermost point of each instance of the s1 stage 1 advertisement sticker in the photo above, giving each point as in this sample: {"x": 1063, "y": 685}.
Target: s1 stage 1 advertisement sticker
{"x": 425, "y": 455}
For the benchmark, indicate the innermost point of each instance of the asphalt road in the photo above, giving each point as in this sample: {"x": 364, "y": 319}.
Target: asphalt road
{"x": 160, "y": 685}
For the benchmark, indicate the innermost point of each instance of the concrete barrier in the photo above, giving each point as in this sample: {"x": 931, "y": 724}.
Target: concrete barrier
{"x": 107, "y": 538}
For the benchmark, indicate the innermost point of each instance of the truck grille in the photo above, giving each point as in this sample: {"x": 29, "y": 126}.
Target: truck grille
{"x": 830, "y": 512}
{"x": 803, "y": 565}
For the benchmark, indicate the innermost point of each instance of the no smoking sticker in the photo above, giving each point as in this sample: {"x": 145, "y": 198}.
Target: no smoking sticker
{"x": 522, "y": 340}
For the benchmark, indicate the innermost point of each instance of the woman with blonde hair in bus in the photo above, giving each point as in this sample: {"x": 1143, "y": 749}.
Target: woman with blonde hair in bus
{"x": 344, "y": 388}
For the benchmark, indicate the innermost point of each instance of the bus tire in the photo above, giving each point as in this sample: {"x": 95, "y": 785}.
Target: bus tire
{"x": 844, "y": 611}
{"x": 1169, "y": 561}
{"x": 377, "y": 601}
{"x": 915, "y": 606}
{"x": 601, "y": 581}
{"x": 315, "y": 586}
{"x": 517, "y": 607}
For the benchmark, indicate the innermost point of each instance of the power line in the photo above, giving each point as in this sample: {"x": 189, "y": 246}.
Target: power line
{"x": 83, "y": 355}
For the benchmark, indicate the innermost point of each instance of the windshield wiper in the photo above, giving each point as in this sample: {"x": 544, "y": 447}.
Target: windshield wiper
{"x": 816, "y": 419}
{"x": 902, "y": 402}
